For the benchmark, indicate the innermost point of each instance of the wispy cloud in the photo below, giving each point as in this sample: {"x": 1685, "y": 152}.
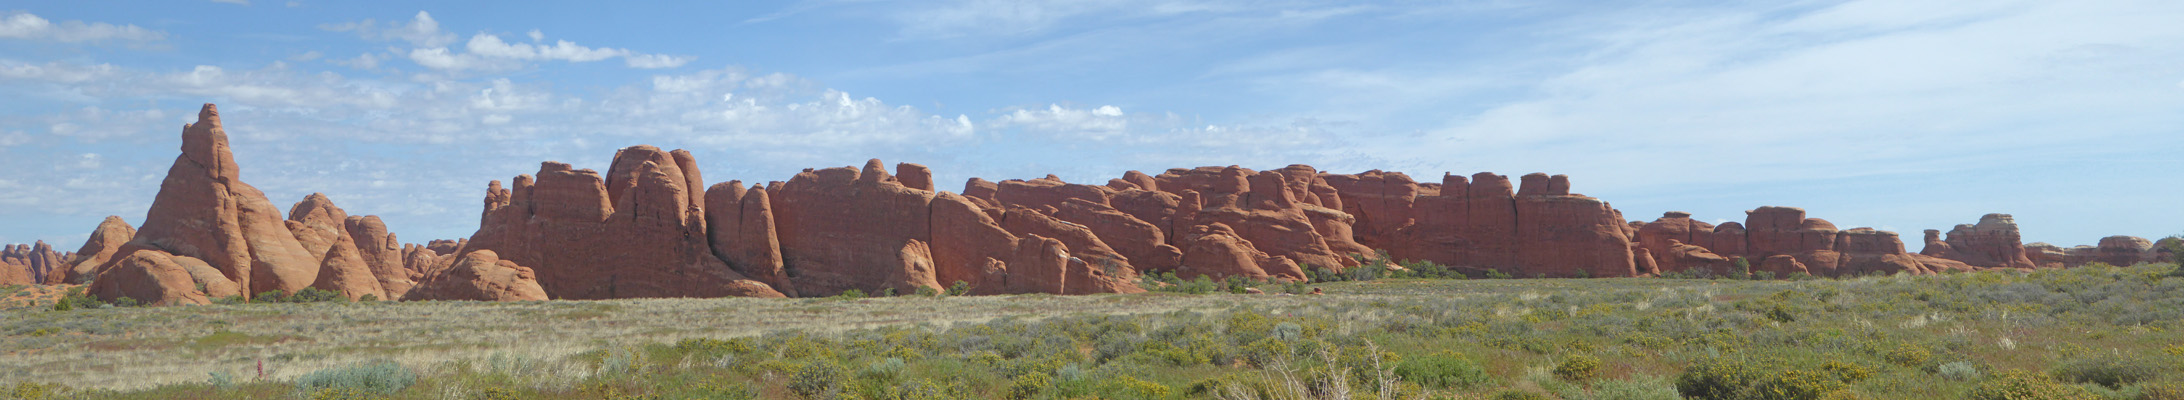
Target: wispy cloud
{"x": 485, "y": 51}
{"x": 22, "y": 25}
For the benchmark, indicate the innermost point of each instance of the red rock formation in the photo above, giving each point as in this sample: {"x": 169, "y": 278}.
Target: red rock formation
{"x": 382, "y": 252}
{"x": 1785, "y": 231}
{"x": 742, "y": 233}
{"x": 205, "y": 212}
{"x": 1381, "y": 202}
{"x": 323, "y": 230}
{"x": 1564, "y": 235}
{"x": 844, "y": 228}
{"x": 1992, "y": 243}
{"x": 2045, "y": 255}
{"x": 2166, "y": 250}
{"x": 480, "y": 275}
{"x": 1678, "y": 227}
{"x": 1868, "y": 251}
{"x": 1940, "y": 265}
{"x": 15, "y": 268}
{"x": 2124, "y": 250}
{"x": 640, "y": 232}
{"x": 1216, "y": 250}
{"x": 1260, "y": 207}
{"x": 449, "y": 246}
{"x": 1782, "y": 265}
{"x": 98, "y": 249}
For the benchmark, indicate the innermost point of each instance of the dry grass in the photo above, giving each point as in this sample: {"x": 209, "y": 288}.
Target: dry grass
{"x": 128, "y": 348}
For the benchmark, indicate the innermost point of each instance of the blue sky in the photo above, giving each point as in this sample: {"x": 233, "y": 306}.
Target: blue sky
{"x": 1901, "y": 115}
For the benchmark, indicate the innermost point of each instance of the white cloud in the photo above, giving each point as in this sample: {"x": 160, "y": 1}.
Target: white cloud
{"x": 1105, "y": 122}
{"x": 421, "y": 31}
{"x": 537, "y": 36}
{"x": 306, "y": 56}
{"x": 22, "y": 25}
{"x": 54, "y": 71}
{"x": 1007, "y": 17}
{"x": 364, "y": 61}
{"x": 656, "y": 61}
{"x": 492, "y": 46}
{"x": 13, "y": 138}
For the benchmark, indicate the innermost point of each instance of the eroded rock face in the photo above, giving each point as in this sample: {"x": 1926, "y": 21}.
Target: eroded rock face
{"x": 154, "y": 277}
{"x": 480, "y": 275}
{"x": 205, "y": 212}
{"x": 2124, "y": 250}
{"x": 1677, "y": 227}
{"x": 98, "y": 249}
{"x": 381, "y": 252}
{"x": 1869, "y": 251}
{"x": 639, "y": 231}
{"x": 322, "y": 229}
{"x": 1992, "y": 243}
{"x": 845, "y": 228}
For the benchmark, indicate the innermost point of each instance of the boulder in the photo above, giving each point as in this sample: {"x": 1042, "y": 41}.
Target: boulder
{"x": 153, "y": 277}
{"x": 480, "y": 275}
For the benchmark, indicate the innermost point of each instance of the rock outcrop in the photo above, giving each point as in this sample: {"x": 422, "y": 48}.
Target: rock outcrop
{"x": 637, "y": 231}
{"x": 850, "y": 228}
{"x": 1992, "y": 243}
{"x": 322, "y": 229}
{"x": 97, "y": 249}
{"x": 204, "y": 212}
{"x": 480, "y": 275}
{"x": 31, "y": 264}
{"x": 2124, "y": 250}
{"x": 382, "y": 252}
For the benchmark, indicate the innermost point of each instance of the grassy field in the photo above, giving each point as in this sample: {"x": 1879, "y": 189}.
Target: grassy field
{"x": 2094, "y": 333}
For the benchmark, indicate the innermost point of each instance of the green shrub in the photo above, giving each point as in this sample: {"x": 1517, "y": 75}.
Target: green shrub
{"x": 1578, "y": 368}
{"x": 1715, "y": 379}
{"x": 1959, "y": 371}
{"x": 1649, "y": 388}
{"x": 851, "y": 294}
{"x": 885, "y": 370}
{"x": 959, "y": 288}
{"x": 125, "y": 301}
{"x": 2021, "y": 385}
{"x": 1028, "y": 386}
{"x": 34, "y": 391}
{"x": 374, "y": 377}
{"x": 1793, "y": 385}
{"x": 1908, "y": 356}
{"x": 1513, "y": 394}
{"x": 928, "y": 291}
{"x": 2111, "y": 371}
{"x": 1445, "y": 369}
{"x": 817, "y": 379}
